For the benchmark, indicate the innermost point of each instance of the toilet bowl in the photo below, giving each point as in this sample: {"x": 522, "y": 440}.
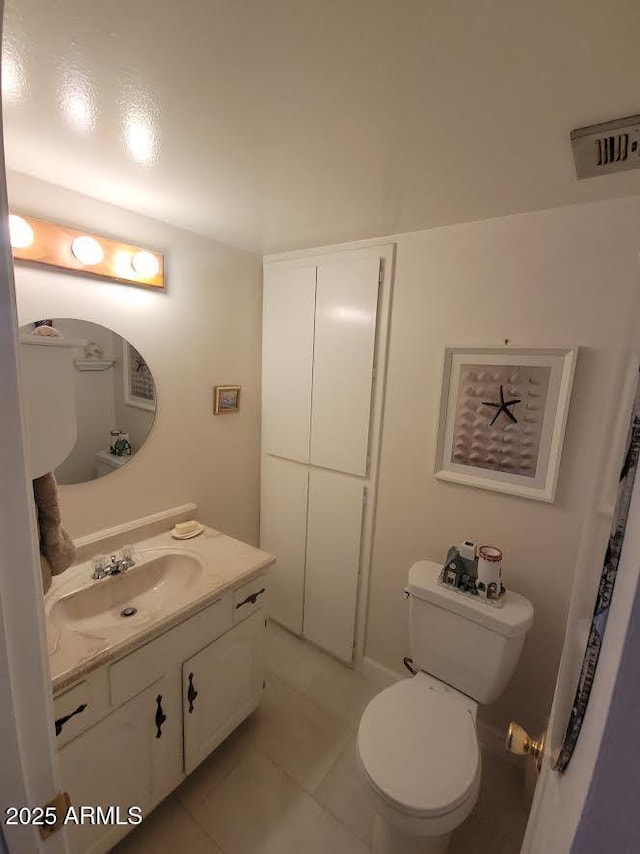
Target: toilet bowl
{"x": 418, "y": 752}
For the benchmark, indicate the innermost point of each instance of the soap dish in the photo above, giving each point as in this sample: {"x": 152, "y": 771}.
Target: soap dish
{"x": 196, "y": 532}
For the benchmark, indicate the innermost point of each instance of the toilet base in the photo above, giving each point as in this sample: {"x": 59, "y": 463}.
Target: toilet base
{"x": 387, "y": 839}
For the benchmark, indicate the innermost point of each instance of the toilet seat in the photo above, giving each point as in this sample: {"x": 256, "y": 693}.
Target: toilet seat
{"x": 418, "y": 746}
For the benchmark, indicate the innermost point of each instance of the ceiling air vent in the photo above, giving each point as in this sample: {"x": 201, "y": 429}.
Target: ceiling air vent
{"x": 608, "y": 147}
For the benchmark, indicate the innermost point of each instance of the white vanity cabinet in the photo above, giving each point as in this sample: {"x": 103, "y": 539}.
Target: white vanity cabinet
{"x": 131, "y": 730}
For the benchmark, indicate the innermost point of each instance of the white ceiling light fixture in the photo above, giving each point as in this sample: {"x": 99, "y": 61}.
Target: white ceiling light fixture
{"x": 87, "y": 250}
{"x": 41, "y": 242}
{"x": 20, "y": 232}
{"x": 145, "y": 264}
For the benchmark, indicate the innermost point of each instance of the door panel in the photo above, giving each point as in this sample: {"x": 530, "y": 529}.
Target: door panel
{"x": 287, "y": 359}
{"x": 222, "y": 684}
{"x": 333, "y": 561}
{"x": 120, "y": 762}
{"x": 345, "y": 331}
{"x": 283, "y": 527}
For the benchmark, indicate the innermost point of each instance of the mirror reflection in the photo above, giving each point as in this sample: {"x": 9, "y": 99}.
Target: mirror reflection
{"x": 115, "y": 399}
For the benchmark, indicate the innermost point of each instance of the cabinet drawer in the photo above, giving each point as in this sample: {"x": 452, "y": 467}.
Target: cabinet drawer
{"x": 249, "y": 598}
{"x": 79, "y": 707}
{"x": 147, "y": 664}
{"x": 137, "y": 671}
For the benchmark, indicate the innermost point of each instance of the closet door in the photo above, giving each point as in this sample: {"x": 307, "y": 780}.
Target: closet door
{"x": 334, "y": 532}
{"x": 283, "y": 531}
{"x": 287, "y": 359}
{"x": 345, "y": 332}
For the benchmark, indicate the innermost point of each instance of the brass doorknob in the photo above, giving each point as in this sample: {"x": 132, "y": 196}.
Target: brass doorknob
{"x": 520, "y": 742}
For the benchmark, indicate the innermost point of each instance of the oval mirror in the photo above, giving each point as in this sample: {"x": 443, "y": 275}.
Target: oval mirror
{"x": 115, "y": 400}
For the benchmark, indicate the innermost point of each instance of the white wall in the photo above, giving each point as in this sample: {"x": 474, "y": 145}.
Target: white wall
{"x": 204, "y": 331}
{"x": 561, "y": 277}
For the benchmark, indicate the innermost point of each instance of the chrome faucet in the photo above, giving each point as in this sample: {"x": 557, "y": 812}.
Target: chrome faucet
{"x": 102, "y": 566}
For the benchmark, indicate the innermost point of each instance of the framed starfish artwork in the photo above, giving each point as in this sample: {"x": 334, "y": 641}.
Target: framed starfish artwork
{"x": 503, "y": 413}
{"x": 139, "y": 387}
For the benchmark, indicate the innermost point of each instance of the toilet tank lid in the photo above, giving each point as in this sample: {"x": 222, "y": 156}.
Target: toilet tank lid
{"x": 110, "y": 459}
{"x": 512, "y": 619}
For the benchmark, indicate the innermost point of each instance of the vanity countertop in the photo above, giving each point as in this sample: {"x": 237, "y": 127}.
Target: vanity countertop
{"x": 222, "y": 562}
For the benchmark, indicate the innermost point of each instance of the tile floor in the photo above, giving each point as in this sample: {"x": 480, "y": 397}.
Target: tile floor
{"x": 286, "y": 781}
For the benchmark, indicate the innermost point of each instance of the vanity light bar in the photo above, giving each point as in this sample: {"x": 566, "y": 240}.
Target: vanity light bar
{"x": 39, "y": 241}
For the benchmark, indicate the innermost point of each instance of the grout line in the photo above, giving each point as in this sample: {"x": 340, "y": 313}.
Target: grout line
{"x": 200, "y": 827}
{"x": 203, "y": 829}
{"x": 333, "y": 765}
{"x": 305, "y": 696}
{"x": 301, "y": 790}
{"x": 328, "y": 810}
{"x": 341, "y": 822}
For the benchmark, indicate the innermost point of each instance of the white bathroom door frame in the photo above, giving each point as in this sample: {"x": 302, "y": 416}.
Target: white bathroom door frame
{"x": 29, "y": 760}
{"x": 560, "y": 798}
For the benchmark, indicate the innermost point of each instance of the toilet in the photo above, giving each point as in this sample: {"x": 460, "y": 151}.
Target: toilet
{"x": 417, "y": 742}
{"x": 105, "y": 462}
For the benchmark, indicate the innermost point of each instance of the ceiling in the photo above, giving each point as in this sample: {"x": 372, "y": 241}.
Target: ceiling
{"x": 279, "y": 124}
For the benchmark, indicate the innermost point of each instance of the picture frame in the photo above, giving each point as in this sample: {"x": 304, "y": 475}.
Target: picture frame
{"x": 502, "y": 419}
{"x": 139, "y": 387}
{"x": 226, "y": 399}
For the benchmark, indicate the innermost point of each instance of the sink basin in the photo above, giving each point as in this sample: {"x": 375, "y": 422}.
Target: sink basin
{"x": 150, "y": 589}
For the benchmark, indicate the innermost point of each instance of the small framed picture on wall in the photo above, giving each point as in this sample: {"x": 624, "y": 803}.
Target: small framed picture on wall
{"x": 226, "y": 399}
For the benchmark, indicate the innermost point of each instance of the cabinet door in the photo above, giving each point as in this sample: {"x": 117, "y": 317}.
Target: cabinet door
{"x": 121, "y": 762}
{"x": 283, "y": 532}
{"x": 222, "y": 684}
{"x": 345, "y": 334}
{"x": 287, "y": 358}
{"x": 333, "y": 561}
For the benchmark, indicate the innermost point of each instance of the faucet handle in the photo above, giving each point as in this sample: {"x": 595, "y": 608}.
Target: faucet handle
{"x": 99, "y": 565}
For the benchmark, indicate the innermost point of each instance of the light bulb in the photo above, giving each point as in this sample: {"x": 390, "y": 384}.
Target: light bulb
{"x": 122, "y": 264}
{"x": 87, "y": 250}
{"x": 145, "y": 264}
{"x": 20, "y": 232}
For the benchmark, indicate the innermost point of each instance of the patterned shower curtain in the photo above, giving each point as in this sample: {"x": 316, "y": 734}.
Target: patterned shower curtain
{"x": 605, "y": 590}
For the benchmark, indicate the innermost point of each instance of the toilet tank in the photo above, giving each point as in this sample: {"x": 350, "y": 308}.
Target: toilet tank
{"x": 48, "y": 399}
{"x": 463, "y": 640}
